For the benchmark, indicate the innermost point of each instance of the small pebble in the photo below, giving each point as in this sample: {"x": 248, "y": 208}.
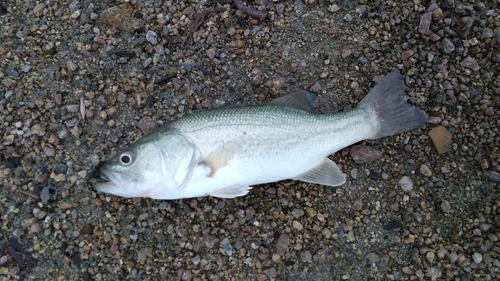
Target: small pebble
{"x": 363, "y": 154}
{"x": 282, "y": 244}
{"x": 326, "y": 233}
{"x": 120, "y": 17}
{"x": 372, "y": 257}
{"x": 407, "y": 270}
{"x": 448, "y": 46}
{"x": 494, "y": 176}
{"x": 453, "y": 257}
{"x": 441, "y": 139}
{"x": 297, "y": 225}
{"x": 25, "y": 68}
{"x": 445, "y": 206}
{"x": 425, "y": 171}
{"x": 315, "y": 88}
{"x": 38, "y": 8}
{"x": 152, "y": 37}
{"x": 470, "y": 63}
{"x": 226, "y": 247}
{"x": 49, "y": 151}
{"x": 406, "y": 184}
{"x": 320, "y": 256}
{"x": 333, "y": 8}
{"x": 425, "y": 23}
{"x": 305, "y": 256}
{"x": 146, "y": 124}
{"x": 256, "y": 76}
{"x": 463, "y": 26}
{"x": 271, "y": 272}
{"x": 430, "y": 256}
{"x": 45, "y": 195}
{"x": 297, "y": 213}
{"x": 211, "y": 53}
{"x": 477, "y": 257}
{"x": 406, "y": 54}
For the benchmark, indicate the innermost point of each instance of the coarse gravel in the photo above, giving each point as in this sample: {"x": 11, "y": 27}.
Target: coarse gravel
{"x": 78, "y": 81}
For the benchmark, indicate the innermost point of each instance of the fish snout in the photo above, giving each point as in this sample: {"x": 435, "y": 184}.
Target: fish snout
{"x": 95, "y": 172}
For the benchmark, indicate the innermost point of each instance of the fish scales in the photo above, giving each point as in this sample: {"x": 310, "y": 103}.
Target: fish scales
{"x": 290, "y": 136}
{"x": 281, "y": 128}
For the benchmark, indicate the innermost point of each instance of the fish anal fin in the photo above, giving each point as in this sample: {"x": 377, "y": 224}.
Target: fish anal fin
{"x": 231, "y": 191}
{"x": 326, "y": 173}
{"x": 220, "y": 157}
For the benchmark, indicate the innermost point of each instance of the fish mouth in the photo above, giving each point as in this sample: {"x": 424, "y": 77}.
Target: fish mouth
{"x": 105, "y": 181}
{"x": 106, "y": 186}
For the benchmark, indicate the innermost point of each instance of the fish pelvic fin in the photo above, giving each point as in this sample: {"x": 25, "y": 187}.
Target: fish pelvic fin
{"x": 387, "y": 103}
{"x": 231, "y": 191}
{"x": 326, "y": 173}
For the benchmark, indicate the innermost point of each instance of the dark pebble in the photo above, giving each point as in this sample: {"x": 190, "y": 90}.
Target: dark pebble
{"x": 12, "y": 163}
{"x": 464, "y": 26}
{"x": 11, "y": 72}
{"x": 88, "y": 229}
{"x": 61, "y": 168}
{"x": 393, "y": 225}
{"x": 495, "y": 176}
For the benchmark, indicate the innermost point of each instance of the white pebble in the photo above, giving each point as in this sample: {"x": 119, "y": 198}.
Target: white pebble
{"x": 407, "y": 270}
{"x": 333, "y": 8}
{"x": 152, "y": 37}
{"x": 406, "y": 184}
{"x": 430, "y": 256}
{"x": 453, "y": 257}
{"x": 477, "y": 257}
{"x": 3, "y": 260}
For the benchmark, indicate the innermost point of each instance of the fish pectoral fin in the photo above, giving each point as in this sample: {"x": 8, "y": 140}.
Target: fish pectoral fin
{"x": 220, "y": 157}
{"x": 326, "y": 173}
{"x": 302, "y": 100}
{"x": 231, "y": 191}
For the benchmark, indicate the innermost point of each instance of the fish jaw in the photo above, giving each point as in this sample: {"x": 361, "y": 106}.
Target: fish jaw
{"x": 107, "y": 187}
{"x": 123, "y": 188}
{"x": 112, "y": 186}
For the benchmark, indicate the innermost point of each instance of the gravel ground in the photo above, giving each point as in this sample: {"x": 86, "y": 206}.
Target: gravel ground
{"x": 79, "y": 81}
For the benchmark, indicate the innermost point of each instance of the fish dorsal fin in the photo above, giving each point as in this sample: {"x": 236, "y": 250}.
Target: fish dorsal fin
{"x": 221, "y": 156}
{"x": 326, "y": 173}
{"x": 302, "y": 100}
{"x": 231, "y": 191}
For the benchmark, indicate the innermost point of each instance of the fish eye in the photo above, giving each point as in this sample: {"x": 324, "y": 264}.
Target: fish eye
{"x": 127, "y": 158}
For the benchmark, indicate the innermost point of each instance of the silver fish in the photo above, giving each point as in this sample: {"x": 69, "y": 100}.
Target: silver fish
{"x": 223, "y": 152}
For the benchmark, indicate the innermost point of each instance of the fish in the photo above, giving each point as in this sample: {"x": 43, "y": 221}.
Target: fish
{"x": 223, "y": 152}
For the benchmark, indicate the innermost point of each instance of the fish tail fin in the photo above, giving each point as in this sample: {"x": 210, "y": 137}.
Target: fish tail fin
{"x": 387, "y": 103}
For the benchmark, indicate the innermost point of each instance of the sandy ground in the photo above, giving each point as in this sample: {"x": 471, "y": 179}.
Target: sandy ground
{"x": 78, "y": 83}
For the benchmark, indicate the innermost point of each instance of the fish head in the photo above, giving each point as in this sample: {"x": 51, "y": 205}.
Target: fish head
{"x": 151, "y": 167}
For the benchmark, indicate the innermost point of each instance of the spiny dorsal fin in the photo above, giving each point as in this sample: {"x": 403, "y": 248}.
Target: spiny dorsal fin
{"x": 302, "y": 100}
